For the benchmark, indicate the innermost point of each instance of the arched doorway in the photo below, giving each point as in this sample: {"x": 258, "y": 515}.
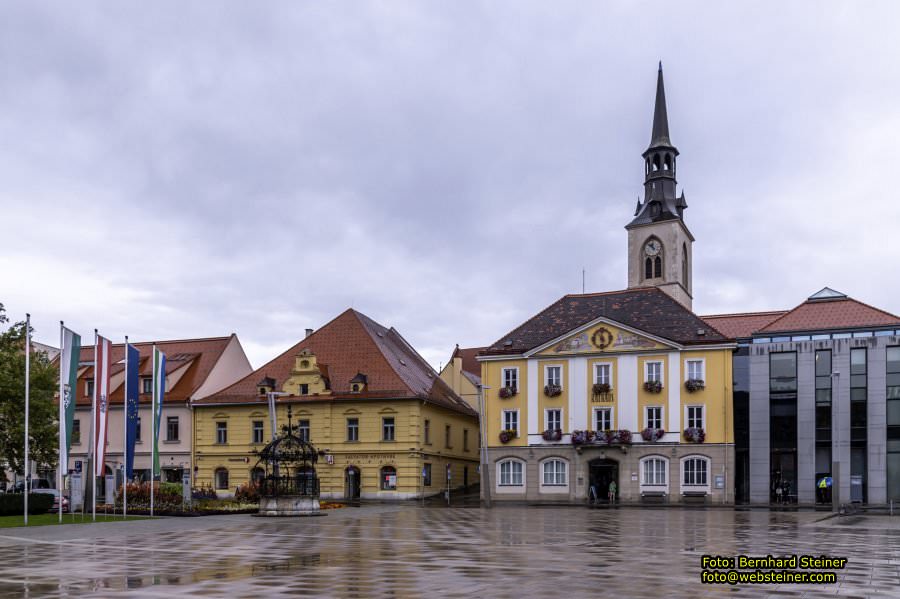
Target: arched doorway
{"x": 352, "y": 478}
{"x": 603, "y": 472}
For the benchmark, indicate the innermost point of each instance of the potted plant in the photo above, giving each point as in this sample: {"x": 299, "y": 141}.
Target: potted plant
{"x": 653, "y": 386}
{"x": 601, "y": 388}
{"x": 552, "y": 435}
{"x": 552, "y": 390}
{"x": 507, "y": 392}
{"x": 582, "y": 437}
{"x": 508, "y": 435}
{"x": 694, "y": 385}
{"x": 694, "y": 434}
{"x": 621, "y": 436}
{"x": 652, "y": 434}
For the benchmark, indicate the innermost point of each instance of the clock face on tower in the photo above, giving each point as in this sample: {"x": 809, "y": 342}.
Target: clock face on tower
{"x": 652, "y": 248}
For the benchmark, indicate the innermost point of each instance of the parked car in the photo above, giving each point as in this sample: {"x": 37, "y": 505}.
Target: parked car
{"x": 56, "y": 496}
{"x": 36, "y": 483}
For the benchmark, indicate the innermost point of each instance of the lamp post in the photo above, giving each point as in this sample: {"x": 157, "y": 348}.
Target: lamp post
{"x": 482, "y": 428}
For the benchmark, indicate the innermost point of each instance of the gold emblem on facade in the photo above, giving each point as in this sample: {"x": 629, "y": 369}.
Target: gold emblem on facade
{"x": 602, "y": 338}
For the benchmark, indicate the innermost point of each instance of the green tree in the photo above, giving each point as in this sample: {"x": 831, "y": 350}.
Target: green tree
{"x": 43, "y": 418}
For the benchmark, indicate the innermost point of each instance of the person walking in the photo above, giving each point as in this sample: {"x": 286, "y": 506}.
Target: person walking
{"x": 612, "y": 492}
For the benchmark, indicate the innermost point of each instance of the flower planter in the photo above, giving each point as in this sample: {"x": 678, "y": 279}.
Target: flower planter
{"x": 601, "y": 388}
{"x": 507, "y": 436}
{"x": 694, "y": 435}
{"x": 693, "y": 385}
{"x": 507, "y": 392}
{"x": 652, "y": 434}
{"x": 582, "y": 437}
{"x": 653, "y": 387}
{"x": 554, "y": 435}
{"x": 552, "y": 390}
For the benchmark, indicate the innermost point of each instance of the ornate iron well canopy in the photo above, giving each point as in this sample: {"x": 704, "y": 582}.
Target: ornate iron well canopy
{"x": 289, "y": 485}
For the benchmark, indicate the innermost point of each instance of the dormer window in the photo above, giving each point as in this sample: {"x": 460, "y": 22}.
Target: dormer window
{"x": 359, "y": 383}
{"x": 267, "y": 385}
{"x": 304, "y": 389}
{"x": 355, "y": 388}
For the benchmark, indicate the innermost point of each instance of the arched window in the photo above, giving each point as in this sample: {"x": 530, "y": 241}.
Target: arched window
{"x": 388, "y": 478}
{"x": 654, "y": 471}
{"x": 695, "y": 471}
{"x": 684, "y": 265}
{"x": 655, "y": 163}
{"x": 648, "y": 268}
{"x": 511, "y": 473}
{"x": 221, "y": 478}
{"x": 667, "y": 165}
{"x": 657, "y": 267}
{"x": 554, "y": 473}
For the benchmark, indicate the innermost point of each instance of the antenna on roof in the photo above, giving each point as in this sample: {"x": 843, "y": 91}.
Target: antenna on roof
{"x": 582, "y": 281}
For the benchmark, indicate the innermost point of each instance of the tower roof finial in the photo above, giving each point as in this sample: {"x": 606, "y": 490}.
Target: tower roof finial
{"x": 660, "y": 134}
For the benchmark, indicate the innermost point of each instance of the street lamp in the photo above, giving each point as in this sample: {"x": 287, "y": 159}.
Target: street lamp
{"x": 271, "y": 395}
{"x": 485, "y": 474}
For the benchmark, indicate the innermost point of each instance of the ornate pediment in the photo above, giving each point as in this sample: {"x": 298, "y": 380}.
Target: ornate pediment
{"x": 602, "y": 338}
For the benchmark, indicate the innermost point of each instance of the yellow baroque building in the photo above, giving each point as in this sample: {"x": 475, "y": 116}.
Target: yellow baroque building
{"x": 591, "y": 391}
{"x": 385, "y": 424}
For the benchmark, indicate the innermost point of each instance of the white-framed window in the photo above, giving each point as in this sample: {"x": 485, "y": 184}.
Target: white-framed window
{"x": 553, "y": 417}
{"x": 654, "y": 471}
{"x": 603, "y": 374}
{"x": 653, "y": 417}
{"x": 695, "y": 369}
{"x": 553, "y": 376}
{"x": 603, "y": 419}
{"x": 510, "y": 420}
{"x": 695, "y": 471}
{"x": 511, "y": 473}
{"x": 554, "y": 473}
{"x": 694, "y": 416}
{"x": 653, "y": 371}
{"x": 509, "y": 377}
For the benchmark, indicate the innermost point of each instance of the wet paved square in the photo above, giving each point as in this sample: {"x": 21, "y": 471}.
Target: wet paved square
{"x": 408, "y": 551}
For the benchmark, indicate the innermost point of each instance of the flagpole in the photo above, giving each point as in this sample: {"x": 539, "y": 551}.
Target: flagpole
{"x": 94, "y": 435}
{"x": 153, "y": 429}
{"x": 27, "y": 399}
{"x": 62, "y": 423}
{"x": 125, "y": 437}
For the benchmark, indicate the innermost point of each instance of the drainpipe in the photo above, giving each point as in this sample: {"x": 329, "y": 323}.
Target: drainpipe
{"x": 485, "y": 471}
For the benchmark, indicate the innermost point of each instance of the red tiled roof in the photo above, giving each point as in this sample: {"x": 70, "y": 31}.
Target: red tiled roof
{"x": 840, "y": 313}
{"x": 469, "y": 362}
{"x": 647, "y": 309}
{"x": 352, "y": 343}
{"x": 201, "y": 354}
{"x": 736, "y": 326}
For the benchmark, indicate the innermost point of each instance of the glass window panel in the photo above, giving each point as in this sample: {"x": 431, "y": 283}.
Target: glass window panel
{"x": 823, "y": 459}
{"x": 893, "y": 359}
{"x": 893, "y": 412}
{"x": 893, "y": 379}
{"x": 883, "y": 333}
{"x": 783, "y": 365}
{"x": 893, "y": 392}
{"x": 858, "y": 360}
{"x": 821, "y": 337}
{"x": 858, "y": 394}
{"x": 858, "y": 381}
{"x": 762, "y": 340}
{"x": 823, "y": 363}
{"x": 857, "y": 413}
{"x": 841, "y": 336}
{"x": 893, "y": 476}
{"x": 863, "y": 334}
{"x": 823, "y": 417}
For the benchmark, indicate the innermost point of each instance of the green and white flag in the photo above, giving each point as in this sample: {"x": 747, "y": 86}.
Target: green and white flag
{"x": 69, "y": 356}
{"x": 159, "y": 392}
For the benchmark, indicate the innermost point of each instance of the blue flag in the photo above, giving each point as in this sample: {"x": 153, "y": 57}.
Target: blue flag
{"x": 131, "y": 408}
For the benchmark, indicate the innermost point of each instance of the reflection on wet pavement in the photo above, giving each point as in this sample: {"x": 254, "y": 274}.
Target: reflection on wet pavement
{"x": 408, "y": 551}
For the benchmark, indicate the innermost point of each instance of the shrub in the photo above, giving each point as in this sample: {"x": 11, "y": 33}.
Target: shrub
{"x": 203, "y": 492}
{"x": 13, "y": 504}
{"x": 247, "y": 493}
{"x": 165, "y": 494}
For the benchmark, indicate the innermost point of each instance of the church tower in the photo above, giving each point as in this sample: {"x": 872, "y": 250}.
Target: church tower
{"x": 659, "y": 243}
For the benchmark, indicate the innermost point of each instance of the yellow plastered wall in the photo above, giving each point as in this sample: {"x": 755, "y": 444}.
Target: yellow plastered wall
{"x": 596, "y": 403}
{"x": 494, "y": 405}
{"x": 561, "y": 401}
{"x": 716, "y": 397}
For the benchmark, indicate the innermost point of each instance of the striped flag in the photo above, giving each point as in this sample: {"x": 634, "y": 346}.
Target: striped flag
{"x": 70, "y": 354}
{"x": 101, "y": 393}
{"x": 159, "y": 392}
{"x": 131, "y": 407}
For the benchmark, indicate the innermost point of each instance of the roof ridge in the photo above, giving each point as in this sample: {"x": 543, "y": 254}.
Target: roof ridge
{"x": 732, "y": 315}
{"x": 834, "y": 301}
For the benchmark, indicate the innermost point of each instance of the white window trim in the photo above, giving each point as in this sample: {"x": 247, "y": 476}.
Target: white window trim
{"x": 702, "y": 367}
{"x": 562, "y": 370}
{"x": 503, "y": 421}
{"x": 695, "y": 488}
{"x": 524, "y": 473}
{"x": 612, "y": 416}
{"x": 503, "y": 377}
{"x": 556, "y": 487}
{"x": 662, "y": 370}
{"x": 596, "y": 379}
{"x": 702, "y": 414}
{"x": 654, "y": 488}
{"x": 547, "y": 417}
{"x": 662, "y": 416}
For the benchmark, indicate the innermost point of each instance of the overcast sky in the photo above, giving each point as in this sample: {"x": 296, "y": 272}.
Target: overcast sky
{"x": 447, "y": 168}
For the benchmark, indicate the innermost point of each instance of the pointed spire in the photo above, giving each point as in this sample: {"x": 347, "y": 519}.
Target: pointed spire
{"x": 660, "y": 135}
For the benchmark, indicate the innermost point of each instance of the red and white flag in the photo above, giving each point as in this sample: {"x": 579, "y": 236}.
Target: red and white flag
{"x": 101, "y": 398}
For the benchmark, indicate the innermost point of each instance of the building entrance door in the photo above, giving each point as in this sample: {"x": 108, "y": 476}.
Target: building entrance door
{"x": 351, "y": 483}
{"x": 602, "y": 473}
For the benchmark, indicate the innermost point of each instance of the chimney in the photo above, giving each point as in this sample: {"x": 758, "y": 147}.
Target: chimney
{"x": 309, "y": 332}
